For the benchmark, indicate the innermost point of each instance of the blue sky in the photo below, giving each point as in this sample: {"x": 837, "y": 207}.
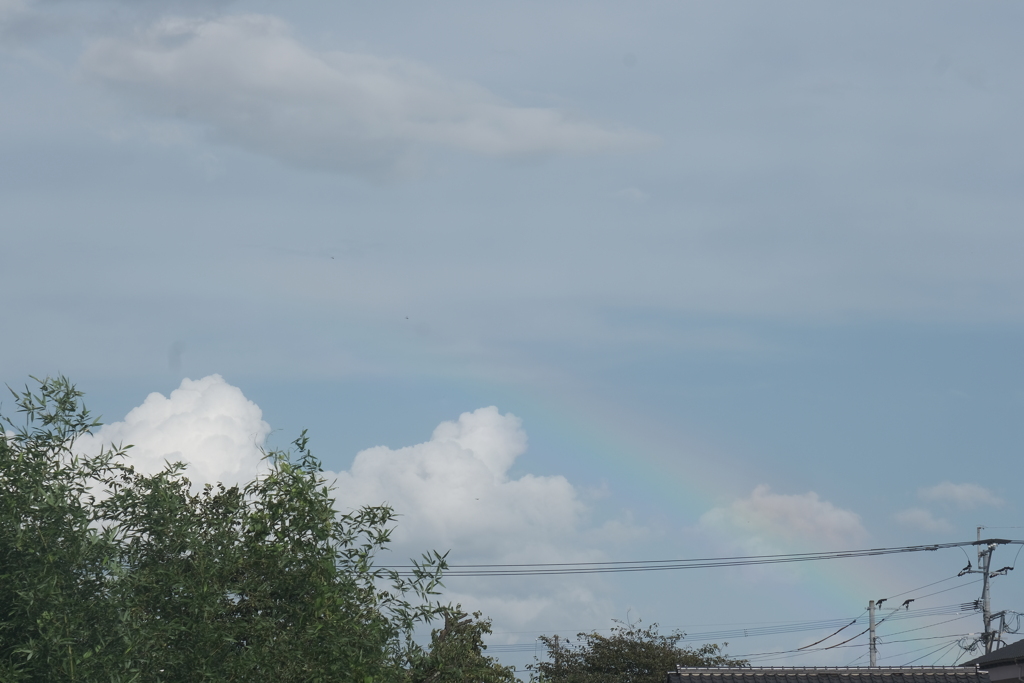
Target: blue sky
{"x": 747, "y": 276}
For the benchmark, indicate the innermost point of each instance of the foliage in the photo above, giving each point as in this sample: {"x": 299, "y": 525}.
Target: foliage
{"x": 114, "y": 575}
{"x": 456, "y": 653}
{"x": 631, "y": 654}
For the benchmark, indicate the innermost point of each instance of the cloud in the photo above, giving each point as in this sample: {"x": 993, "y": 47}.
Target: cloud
{"x": 455, "y": 492}
{"x": 765, "y": 520}
{"x": 964, "y": 496}
{"x": 248, "y": 81}
{"x": 919, "y": 518}
{"x": 207, "y": 424}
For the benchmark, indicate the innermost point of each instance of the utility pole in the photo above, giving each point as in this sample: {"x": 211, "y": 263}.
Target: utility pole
{"x": 985, "y": 550}
{"x": 986, "y": 606}
{"x": 872, "y": 645}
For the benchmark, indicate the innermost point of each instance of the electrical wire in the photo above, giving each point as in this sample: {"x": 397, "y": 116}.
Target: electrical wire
{"x": 910, "y": 652}
{"x": 797, "y": 627}
{"x": 946, "y": 590}
{"x": 944, "y": 646}
{"x": 861, "y": 633}
{"x": 912, "y": 590}
{"x": 863, "y": 655}
{"x": 818, "y": 642}
{"x": 928, "y": 585}
{"x": 794, "y": 627}
{"x": 790, "y": 652}
{"x": 1014, "y": 563}
{"x": 767, "y": 656}
{"x": 944, "y": 652}
{"x": 919, "y": 628}
{"x": 564, "y": 568}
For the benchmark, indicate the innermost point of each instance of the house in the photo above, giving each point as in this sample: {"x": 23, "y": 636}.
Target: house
{"x": 1006, "y": 663}
{"x": 813, "y": 674}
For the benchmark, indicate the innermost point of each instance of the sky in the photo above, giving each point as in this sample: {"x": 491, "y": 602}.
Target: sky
{"x": 561, "y": 282}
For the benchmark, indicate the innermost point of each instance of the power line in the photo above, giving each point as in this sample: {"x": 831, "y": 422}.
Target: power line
{"x": 919, "y": 628}
{"x": 944, "y": 646}
{"x": 802, "y": 652}
{"x": 771, "y": 629}
{"x": 910, "y": 652}
{"x": 782, "y": 629}
{"x": 565, "y": 568}
{"x": 779, "y": 628}
{"x": 929, "y": 585}
{"x": 803, "y": 626}
{"x": 844, "y": 644}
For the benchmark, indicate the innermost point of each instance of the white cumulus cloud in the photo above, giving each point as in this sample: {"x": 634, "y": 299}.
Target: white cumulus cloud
{"x": 454, "y": 493}
{"x": 454, "y": 490}
{"x": 764, "y": 521}
{"x": 207, "y": 423}
{"x": 253, "y": 84}
{"x": 964, "y": 496}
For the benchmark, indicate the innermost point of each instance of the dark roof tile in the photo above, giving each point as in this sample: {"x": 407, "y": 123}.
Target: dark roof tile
{"x": 923, "y": 674}
{"x": 1009, "y": 653}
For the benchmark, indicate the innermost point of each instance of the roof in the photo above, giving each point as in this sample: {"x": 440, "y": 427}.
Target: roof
{"x": 901, "y": 674}
{"x": 1010, "y": 653}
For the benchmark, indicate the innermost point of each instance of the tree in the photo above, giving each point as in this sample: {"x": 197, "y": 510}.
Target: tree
{"x": 456, "y": 653}
{"x": 54, "y": 562}
{"x": 631, "y": 654}
{"x": 110, "y": 574}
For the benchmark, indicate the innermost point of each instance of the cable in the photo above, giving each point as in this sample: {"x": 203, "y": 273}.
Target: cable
{"x": 937, "y": 659}
{"x": 929, "y": 585}
{"x": 860, "y": 658}
{"x": 919, "y": 628}
{"x": 910, "y": 652}
{"x": 794, "y": 627}
{"x": 563, "y": 568}
{"x": 946, "y": 590}
{"x": 829, "y": 636}
{"x": 786, "y": 652}
{"x": 798, "y": 627}
{"x": 793, "y": 653}
{"x": 1014, "y": 563}
{"x": 943, "y": 646}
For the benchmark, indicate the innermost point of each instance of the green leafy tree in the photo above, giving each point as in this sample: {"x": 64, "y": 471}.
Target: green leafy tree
{"x": 108, "y": 574}
{"x": 54, "y": 562}
{"x": 631, "y": 654}
{"x": 456, "y": 653}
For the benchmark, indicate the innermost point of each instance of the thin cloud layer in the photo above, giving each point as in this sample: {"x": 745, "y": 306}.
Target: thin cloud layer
{"x": 964, "y": 496}
{"x": 207, "y": 424}
{"x": 923, "y": 520}
{"x": 252, "y": 84}
{"x": 768, "y": 522}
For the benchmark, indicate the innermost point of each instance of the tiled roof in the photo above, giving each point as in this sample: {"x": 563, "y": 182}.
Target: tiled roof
{"x": 904, "y": 674}
{"x": 1004, "y": 654}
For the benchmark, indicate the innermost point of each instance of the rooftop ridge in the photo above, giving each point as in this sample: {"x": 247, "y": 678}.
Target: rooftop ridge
{"x": 857, "y": 669}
